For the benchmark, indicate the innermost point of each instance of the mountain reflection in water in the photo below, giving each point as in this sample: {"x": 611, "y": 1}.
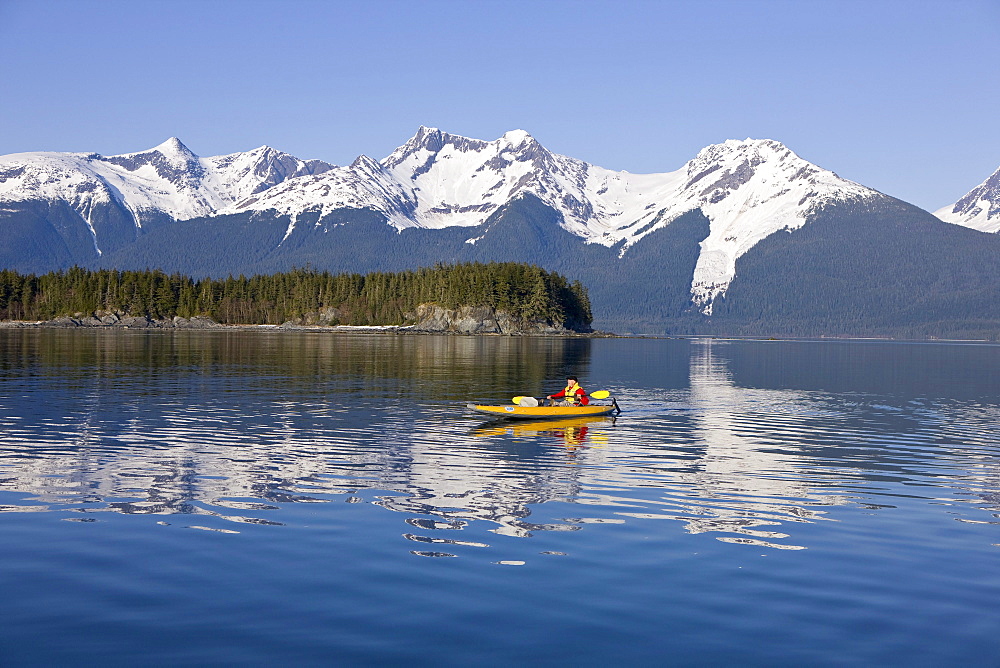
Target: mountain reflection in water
{"x": 744, "y": 439}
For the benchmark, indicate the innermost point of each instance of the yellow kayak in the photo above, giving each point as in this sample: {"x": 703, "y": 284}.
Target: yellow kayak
{"x": 538, "y": 427}
{"x": 544, "y": 412}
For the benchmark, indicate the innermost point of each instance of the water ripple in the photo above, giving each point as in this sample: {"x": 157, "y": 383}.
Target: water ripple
{"x": 711, "y": 456}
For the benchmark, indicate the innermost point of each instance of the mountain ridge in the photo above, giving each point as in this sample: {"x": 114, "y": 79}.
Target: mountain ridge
{"x": 660, "y": 252}
{"x": 167, "y": 179}
{"x": 749, "y": 189}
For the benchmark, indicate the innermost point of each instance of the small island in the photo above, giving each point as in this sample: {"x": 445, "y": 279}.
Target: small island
{"x": 469, "y": 298}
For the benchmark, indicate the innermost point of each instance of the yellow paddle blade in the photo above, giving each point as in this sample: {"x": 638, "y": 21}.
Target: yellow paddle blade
{"x": 517, "y": 400}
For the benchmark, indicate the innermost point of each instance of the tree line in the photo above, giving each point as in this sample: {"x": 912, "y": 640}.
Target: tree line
{"x": 522, "y": 290}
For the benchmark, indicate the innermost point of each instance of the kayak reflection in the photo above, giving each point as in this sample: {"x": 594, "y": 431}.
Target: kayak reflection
{"x": 573, "y": 432}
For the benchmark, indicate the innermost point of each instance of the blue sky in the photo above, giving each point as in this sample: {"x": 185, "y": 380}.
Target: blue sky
{"x": 902, "y": 96}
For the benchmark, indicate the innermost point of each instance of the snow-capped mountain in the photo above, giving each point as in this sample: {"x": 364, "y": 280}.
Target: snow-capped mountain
{"x": 167, "y": 179}
{"x": 979, "y": 209}
{"x": 364, "y": 184}
{"x": 438, "y": 180}
{"x": 747, "y": 189}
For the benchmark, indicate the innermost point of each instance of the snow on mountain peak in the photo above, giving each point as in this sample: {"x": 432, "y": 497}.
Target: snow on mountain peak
{"x": 978, "y": 209}
{"x": 364, "y": 184}
{"x": 241, "y": 175}
{"x": 168, "y": 178}
{"x": 461, "y": 181}
{"x": 516, "y": 137}
{"x": 434, "y": 180}
{"x": 366, "y": 163}
{"x": 175, "y": 152}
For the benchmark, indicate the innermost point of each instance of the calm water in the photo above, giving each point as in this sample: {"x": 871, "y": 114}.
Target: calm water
{"x": 278, "y": 498}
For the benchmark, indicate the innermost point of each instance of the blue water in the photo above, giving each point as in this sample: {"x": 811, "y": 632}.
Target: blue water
{"x": 300, "y": 498}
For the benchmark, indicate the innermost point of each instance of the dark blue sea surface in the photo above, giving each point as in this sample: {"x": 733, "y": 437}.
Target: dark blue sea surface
{"x": 309, "y": 498}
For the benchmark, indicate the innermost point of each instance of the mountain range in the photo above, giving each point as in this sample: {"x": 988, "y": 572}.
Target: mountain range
{"x": 745, "y": 238}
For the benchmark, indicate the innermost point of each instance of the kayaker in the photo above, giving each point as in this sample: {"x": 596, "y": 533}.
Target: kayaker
{"x": 571, "y": 395}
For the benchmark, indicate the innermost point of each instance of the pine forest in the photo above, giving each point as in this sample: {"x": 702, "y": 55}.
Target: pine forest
{"x": 521, "y": 290}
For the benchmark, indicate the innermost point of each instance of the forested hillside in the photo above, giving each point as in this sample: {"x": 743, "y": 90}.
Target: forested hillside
{"x": 521, "y": 290}
{"x": 645, "y": 290}
{"x": 910, "y": 276}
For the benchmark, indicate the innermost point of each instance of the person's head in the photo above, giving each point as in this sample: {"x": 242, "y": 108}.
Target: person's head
{"x": 571, "y": 380}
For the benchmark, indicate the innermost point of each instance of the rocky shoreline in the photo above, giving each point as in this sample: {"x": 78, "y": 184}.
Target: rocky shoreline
{"x": 115, "y": 322}
{"x": 430, "y": 319}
